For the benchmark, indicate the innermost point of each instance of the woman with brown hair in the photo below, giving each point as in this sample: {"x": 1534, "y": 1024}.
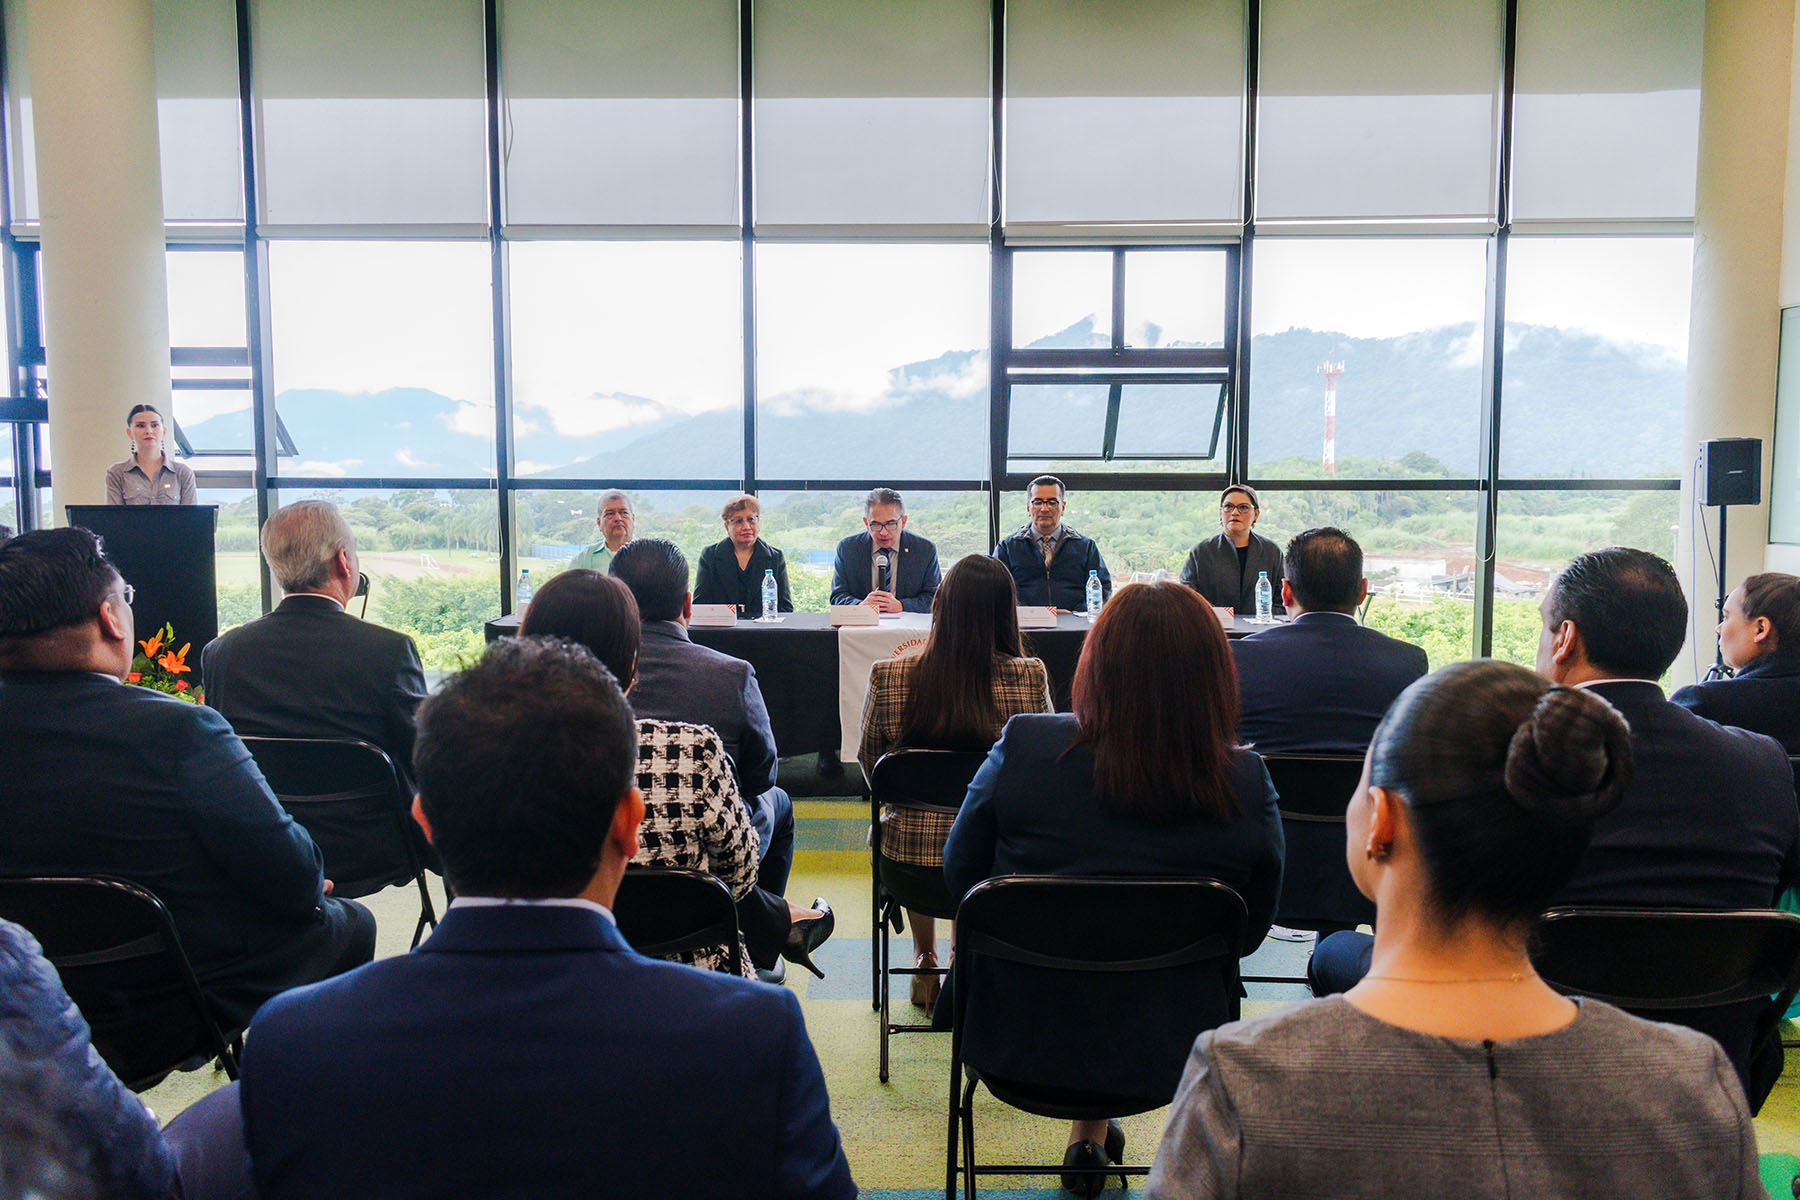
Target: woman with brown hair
{"x": 692, "y": 814}
{"x": 956, "y": 694}
{"x": 1143, "y": 778}
{"x": 731, "y": 571}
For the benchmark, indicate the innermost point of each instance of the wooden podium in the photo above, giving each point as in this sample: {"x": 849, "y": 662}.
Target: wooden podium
{"x": 165, "y": 551}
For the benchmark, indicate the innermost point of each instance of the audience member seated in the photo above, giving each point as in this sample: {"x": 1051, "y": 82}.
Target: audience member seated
{"x": 696, "y": 685}
{"x": 309, "y": 668}
{"x": 1320, "y": 683}
{"x": 731, "y": 572}
{"x": 1143, "y": 778}
{"x": 617, "y": 520}
{"x": 1709, "y": 819}
{"x": 1224, "y": 568}
{"x": 1452, "y": 1069}
{"x": 1760, "y": 639}
{"x": 45, "y": 1055}
{"x": 692, "y": 815}
{"x": 885, "y": 567}
{"x": 1049, "y": 561}
{"x": 524, "y": 1049}
{"x": 956, "y": 694}
{"x": 107, "y": 779}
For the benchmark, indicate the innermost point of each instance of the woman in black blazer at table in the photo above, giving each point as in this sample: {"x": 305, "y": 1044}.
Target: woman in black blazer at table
{"x": 731, "y": 571}
{"x": 1144, "y": 777}
{"x": 1759, "y": 638}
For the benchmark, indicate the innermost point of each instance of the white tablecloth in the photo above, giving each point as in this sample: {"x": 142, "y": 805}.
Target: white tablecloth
{"x": 860, "y": 647}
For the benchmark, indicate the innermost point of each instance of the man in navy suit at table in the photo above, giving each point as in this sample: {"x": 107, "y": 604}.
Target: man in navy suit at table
{"x": 885, "y": 567}
{"x": 525, "y": 1049}
{"x": 1320, "y": 683}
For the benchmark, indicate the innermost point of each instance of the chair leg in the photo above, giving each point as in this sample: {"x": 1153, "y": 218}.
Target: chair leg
{"x": 968, "y": 1132}
{"x": 884, "y": 999}
{"x": 950, "y": 1138}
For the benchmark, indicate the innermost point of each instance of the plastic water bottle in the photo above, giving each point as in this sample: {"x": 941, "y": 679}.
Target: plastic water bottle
{"x": 1265, "y": 596}
{"x": 769, "y": 595}
{"x": 1095, "y": 597}
{"x": 522, "y": 593}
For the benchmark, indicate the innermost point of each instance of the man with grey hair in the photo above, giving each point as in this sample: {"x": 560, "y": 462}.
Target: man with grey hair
{"x": 310, "y": 669}
{"x": 885, "y": 567}
{"x": 617, "y": 522}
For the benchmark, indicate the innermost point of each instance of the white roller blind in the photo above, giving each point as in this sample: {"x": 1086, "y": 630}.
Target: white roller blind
{"x": 1377, "y": 109}
{"x": 872, "y": 112}
{"x": 1606, "y": 119}
{"x": 195, "y": 48}
{"x": 624, "y": 113}
{"x": 371, "y": 113}
{"x": 1124, "y": 112}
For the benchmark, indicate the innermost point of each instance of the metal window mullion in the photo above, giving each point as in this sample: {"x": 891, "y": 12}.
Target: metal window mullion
{"x": 747, "y": 228}
{"x": 499, "y": 298}
{"x": 24, "y": 440}
{"x": 999, "y": 272}
{"x": 257, "y": 337}
{"x": 1237, "y": 455}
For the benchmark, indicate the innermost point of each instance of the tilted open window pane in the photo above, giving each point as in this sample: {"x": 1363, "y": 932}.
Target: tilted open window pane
{"x": 1176, "y": 421}
{"x": 1055, "y": 421}
{"x": 620, "y": 113}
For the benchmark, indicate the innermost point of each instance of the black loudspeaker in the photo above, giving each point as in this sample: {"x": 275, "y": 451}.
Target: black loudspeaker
{"x": 1731, "y": 471}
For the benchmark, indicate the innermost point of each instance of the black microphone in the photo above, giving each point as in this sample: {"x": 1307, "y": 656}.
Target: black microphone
{"x": 884, "y": 571}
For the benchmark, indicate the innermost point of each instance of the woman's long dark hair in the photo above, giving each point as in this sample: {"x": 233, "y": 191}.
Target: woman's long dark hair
{"x": 1156, "y": 698}
{"x": 974, "y": 619}
{"x": 593, "y": 610}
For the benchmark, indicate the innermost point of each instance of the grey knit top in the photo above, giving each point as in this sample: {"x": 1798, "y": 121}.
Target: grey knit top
{"x": 1325, "y": 1100}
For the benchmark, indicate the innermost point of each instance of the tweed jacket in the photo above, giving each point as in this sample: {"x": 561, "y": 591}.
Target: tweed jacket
{"x": 1020, "y": 686}
{"x": 693, "y": 817}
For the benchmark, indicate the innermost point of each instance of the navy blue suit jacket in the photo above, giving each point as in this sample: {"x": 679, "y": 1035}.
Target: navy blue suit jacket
{"x": 1764, "y": 697}
{"x": 679, "y": 681}
{"x": 1062, "y": 584}
{"x": 916, "y": 575}
{"x": 1319, "y": 684}
{"x": 528, "y": 1052}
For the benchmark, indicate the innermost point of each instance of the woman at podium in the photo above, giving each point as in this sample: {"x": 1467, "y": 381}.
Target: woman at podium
{"x": 149, "y": 476}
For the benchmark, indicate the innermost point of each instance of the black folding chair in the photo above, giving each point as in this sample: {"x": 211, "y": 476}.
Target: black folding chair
{"x": 926, "y": 781}
{"x": 665, "y": 911}
{"x": 120, "y": 958}
{"x": 1317, "y": 892}
{"x": 348, "y": 796}
{"x": 1080, "y": 998}
{"x": 1653, "y": 961}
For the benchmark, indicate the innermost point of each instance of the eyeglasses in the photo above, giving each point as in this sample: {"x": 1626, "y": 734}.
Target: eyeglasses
{"x": 1237, "y": 508}
{"x": 130, "y": 594}
{"x": 1041, "y": 502}
{"x": 745, "y": 519}
{"x": 883, "y": 526}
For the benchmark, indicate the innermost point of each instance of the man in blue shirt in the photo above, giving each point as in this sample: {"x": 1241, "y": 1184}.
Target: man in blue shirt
{"x": 1050, "y": 561}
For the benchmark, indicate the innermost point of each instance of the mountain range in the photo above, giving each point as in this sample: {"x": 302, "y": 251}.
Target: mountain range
{"x": 1575, "y": 404}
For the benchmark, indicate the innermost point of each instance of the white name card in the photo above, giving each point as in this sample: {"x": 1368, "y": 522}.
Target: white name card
{"x": 713, "y": 616}
{"x": 1034, "y": 616}
{"x": 853, "y": 614}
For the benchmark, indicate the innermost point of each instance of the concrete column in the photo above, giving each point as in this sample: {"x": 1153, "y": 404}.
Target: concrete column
{"x": 1735, "y": 329}
{"x": 99, "y": 179}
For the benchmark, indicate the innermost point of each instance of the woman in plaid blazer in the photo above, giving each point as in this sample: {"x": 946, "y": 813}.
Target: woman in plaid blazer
{"x": 957, "y": 694}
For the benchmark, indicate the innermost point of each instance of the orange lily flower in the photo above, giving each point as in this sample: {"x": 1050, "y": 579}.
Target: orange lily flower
{"x": 152, "y": 645}
{"x": 173, "y": 663}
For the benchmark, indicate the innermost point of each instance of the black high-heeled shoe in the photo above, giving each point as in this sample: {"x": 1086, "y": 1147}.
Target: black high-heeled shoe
{"x": 1089, "y": 1181}
{"x": 1115, "y": 1148}
{"x": 808, "y": 935}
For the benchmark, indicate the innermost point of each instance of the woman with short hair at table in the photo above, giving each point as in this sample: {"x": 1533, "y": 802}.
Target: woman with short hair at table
{"x": 1759, "y": 638}
{"x": 693, "y": 816}
{"x": 1452, "y": 1069}
{"x": 1143, "y": 778}
{"x": 955, "y": 694}
{"x": 731, "y": 571}
{"x": 149, "y": 475}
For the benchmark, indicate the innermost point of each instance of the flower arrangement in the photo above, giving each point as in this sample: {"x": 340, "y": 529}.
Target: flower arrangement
{"x": 160, "y": 668}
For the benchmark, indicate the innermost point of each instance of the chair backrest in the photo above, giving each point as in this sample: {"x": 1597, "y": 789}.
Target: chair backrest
{"x": 1314, "y": 787}
{"x": 928, "y": 779}
{"x": 663, "y": 911}
{"x": 1093, "y": 984}
{"x": 348, "y": 797}
{"x": 1645, "y": 959}
{"x": 116, "y": 948}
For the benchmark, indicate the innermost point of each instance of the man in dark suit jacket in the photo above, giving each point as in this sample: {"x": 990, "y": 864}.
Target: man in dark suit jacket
{"x": 885, "y": 567}
{"x": 679, "y": 681}
{"x": 525, "y": 1050}
{"x": 310, "y": 669}
{"x": 1320, "y": 683}
{"x": 1049, "y": 561}
{"x": 1709, "y": 820}
{"x": 106, "y": 779}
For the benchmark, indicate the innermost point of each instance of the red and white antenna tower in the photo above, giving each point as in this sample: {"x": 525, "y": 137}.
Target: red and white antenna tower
{"x": 1331, "y": 370}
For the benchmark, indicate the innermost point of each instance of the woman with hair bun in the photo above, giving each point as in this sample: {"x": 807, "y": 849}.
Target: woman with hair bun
{"x": 1452, "y": 1069}
{"x": 1759, "y": 638}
